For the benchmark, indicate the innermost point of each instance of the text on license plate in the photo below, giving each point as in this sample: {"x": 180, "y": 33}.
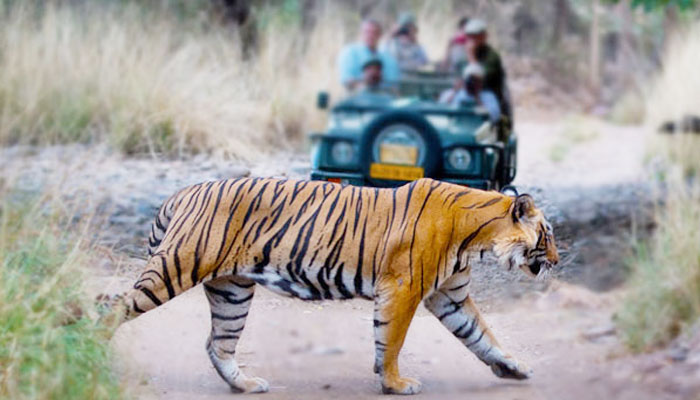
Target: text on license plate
{"x": 398, "y": 154}
{"x": 395, "y": 172}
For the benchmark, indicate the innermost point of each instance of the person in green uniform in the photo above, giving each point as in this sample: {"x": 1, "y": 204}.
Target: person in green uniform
{"x": 479, "y": 51}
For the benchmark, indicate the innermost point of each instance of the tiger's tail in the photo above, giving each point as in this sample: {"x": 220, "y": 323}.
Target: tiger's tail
{"x": 160, "y": 224}
{"x": 113, "y": 308}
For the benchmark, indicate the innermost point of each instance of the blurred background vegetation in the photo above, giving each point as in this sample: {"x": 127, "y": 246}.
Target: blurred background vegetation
{"x": 176, "y": 76}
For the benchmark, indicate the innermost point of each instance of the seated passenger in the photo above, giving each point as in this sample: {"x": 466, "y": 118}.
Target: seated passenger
{"x": 472, "y": 91}
{"x": 403, "y": 45}
{"x": 448, "y": 95}
{"x": 353, "y": 57}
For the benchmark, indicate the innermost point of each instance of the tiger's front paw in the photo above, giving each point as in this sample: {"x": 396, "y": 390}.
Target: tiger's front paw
{"x": 401, "y": 386}
{"x": 510, "y": 368}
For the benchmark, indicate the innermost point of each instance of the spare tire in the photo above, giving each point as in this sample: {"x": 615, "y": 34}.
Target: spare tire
{"x": 406, "y": 129}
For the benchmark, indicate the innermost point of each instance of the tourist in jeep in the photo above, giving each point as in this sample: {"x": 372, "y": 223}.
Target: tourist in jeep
{"x": 472, "y": 91}
{"x": 403, "y": 44}
{"x": 354, "y": 56}
{"x": 479, "y": 51}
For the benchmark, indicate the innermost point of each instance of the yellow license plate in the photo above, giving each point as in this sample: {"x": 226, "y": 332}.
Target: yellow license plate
{"x": 395, "y": 172}
{"x": 398, "y": 154}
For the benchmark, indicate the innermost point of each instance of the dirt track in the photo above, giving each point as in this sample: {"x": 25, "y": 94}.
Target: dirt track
{"x": 325, "y": 350}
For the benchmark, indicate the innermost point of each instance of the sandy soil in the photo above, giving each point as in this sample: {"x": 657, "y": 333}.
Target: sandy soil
{"x": 324, "y": 350}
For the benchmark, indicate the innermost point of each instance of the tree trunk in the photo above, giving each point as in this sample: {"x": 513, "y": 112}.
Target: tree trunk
{"x": 670, "y": 24}
{"x": 237, "y": 13}
{"x": 561, "y": 21}
{"x": 594, "y": 46}
{"x": 309, "y": 8}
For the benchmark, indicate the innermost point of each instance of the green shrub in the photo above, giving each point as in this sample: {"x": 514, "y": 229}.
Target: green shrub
{"x": 47, "y": 351}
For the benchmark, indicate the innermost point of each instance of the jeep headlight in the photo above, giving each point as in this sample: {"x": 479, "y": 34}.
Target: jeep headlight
{"x": 343, "y": 152}
{"x": 459, "y": 159}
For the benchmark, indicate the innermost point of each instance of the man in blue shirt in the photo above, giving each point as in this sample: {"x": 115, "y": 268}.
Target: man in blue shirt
{"x": 354, "y": 56}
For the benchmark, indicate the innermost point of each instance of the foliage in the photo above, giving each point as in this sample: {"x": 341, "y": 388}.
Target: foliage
{"x": 653, "y": 5}
{"x": 42, "y": 357}
{"x": 650, "y": 5}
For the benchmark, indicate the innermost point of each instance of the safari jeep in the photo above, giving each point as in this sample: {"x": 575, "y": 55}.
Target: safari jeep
{"x": 381, "y": 140}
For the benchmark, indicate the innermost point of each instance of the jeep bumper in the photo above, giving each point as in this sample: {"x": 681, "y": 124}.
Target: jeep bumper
{"x": 357, "y": 179}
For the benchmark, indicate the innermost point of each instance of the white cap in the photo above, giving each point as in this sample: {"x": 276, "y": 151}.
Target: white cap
{"x": 473, "y": 69}
{"x": 475, "y": 26}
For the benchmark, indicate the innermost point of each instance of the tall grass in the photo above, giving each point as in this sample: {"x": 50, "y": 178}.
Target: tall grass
{"x": 675, "y": 95}
{"x": 664, "y": 296}
{"x": 42, "y": 357}
{"x": 664, "y": 291}
{"x": 146, "y": 81}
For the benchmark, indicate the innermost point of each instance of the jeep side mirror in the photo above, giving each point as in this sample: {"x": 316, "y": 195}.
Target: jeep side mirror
{"x": 322, "y": 100}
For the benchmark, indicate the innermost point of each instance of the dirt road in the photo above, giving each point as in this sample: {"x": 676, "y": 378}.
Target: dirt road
{"x": 325, "y": 350}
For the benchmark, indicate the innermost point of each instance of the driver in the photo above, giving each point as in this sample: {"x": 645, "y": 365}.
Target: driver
{"x": 354, "y": 56}
{"x": 473, "y": 91}
{"x": 372, "y": 76}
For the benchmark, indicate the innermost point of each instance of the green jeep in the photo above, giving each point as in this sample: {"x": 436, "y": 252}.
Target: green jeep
{"x": 382, "y": 140}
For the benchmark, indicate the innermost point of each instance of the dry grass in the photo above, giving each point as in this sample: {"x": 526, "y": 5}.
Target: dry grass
{"x": 629, "y": 109}
{"x": 664, "y": 298}
{"x": 143, "y": 80}
{"x": 148, "y": 83}
{"x": 675, "y": 95}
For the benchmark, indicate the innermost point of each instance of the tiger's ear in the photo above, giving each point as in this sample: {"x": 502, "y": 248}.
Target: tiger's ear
{"x": 523, "y": 206}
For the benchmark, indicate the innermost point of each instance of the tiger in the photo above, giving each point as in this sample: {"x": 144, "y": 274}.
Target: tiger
{"x": 316, "y": 240}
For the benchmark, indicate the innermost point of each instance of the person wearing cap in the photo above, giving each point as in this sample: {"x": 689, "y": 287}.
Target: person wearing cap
{"x": 472, "y": 91}
{"x": 479, "y": 51}
{"x": 353, "y": 57}
{"x": 403, "y": 44}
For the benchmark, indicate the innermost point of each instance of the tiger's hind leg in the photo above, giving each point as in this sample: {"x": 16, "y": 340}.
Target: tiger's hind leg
{"x": 229, "y": 299}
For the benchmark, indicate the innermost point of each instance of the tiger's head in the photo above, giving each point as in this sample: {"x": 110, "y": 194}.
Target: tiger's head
{"x": 529, "y": 243}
